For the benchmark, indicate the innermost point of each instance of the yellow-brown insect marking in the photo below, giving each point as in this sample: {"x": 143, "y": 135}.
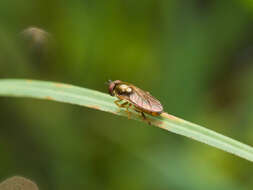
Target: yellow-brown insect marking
{"x": 125, "y": 88}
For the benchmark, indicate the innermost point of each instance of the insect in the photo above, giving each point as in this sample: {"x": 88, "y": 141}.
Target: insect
{"x": 134, "y": 98}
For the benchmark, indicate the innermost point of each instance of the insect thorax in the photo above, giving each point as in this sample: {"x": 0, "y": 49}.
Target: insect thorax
{"x": 124, "y": 89}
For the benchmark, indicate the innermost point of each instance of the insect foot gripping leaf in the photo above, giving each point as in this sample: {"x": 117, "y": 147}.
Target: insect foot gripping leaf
{"x": 135, "y": 98}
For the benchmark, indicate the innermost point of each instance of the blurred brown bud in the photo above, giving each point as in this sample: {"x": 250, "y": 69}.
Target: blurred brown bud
{"x": 36, "y": 36}
{"x": 18, "y": 183}
{"x": 38, "y": 43}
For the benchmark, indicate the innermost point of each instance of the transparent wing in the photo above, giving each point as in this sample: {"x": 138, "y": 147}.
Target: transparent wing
{"x": 145, "y": 100}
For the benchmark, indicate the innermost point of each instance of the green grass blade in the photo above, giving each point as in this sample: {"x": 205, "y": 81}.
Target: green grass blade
{"x": 101, "y": 101}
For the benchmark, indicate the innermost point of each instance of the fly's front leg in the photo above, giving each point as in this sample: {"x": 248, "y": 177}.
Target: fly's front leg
{"x": 124, "y": 105}
{"x": 117, "y": 103}
{"x": 127, "y": 106}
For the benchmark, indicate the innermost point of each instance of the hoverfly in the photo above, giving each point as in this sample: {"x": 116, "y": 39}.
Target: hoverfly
{"x": 135, "y": 98}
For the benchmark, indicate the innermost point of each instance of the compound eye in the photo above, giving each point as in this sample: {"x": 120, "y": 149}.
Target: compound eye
{"x": 111, "y": 88}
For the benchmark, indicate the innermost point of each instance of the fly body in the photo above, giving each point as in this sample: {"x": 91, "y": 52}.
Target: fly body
{"x": 135, "y": 98}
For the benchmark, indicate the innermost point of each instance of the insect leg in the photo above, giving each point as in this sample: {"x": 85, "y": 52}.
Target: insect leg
{"x": 117, "y": 103}
{"x": 127, "y": 106}
{"x": 145, "y": 118}
{"x": 124, "y": 105}
{"x": 129, "y": 113}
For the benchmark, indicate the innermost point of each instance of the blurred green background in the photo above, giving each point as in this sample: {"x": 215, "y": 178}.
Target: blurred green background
{"x": 195, "y": 56}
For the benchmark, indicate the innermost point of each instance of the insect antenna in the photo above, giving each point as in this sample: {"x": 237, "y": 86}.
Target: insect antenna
{"x": 108, "y": 82}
